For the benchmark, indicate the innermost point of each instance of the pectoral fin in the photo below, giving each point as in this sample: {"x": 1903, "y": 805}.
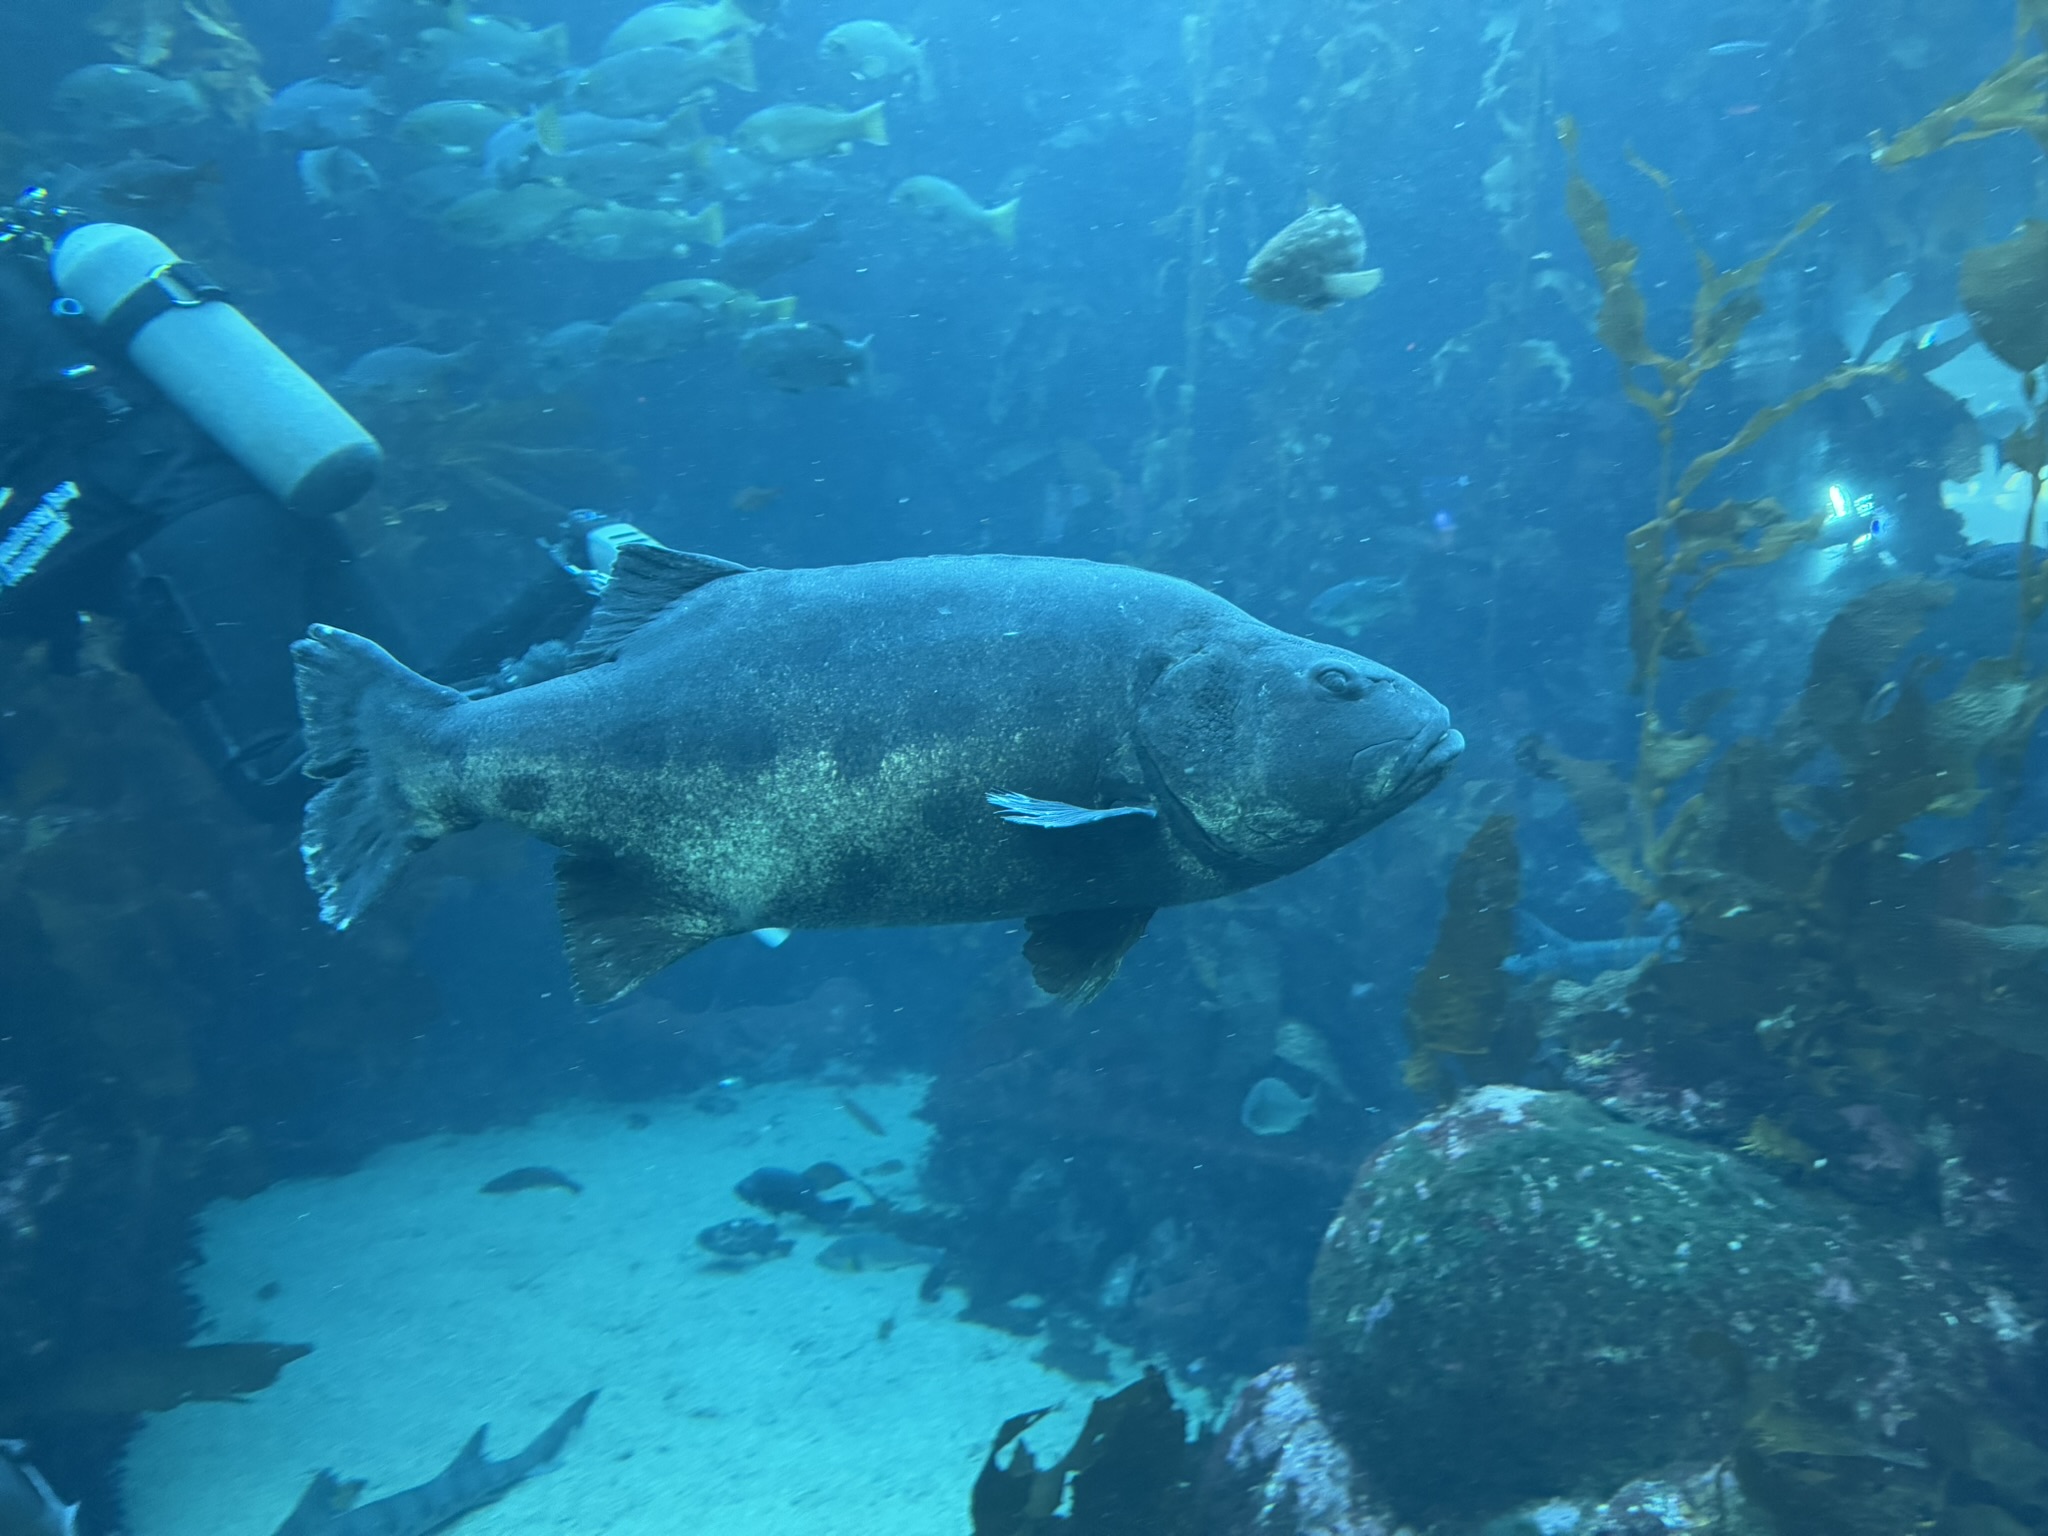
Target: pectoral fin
{"x": 1024, "y": 811}
{"x": 1351, "y": 285}
{"x": 1074, "y": 955}
{"x": 620, "y": 927}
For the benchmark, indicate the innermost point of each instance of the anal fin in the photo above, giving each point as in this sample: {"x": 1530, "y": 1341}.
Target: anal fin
{"x": 620, "y": 927}
{"x": 1074, "y": 955}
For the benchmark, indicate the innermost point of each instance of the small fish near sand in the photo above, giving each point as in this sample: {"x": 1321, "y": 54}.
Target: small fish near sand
{"x": 122, "y": 1383}
{"x": 521, "y": 1179}
{"x": 863, "y": 1252}
{"x": 471, "y": 1481}
{"x": 860, "y": 1117}
{"x": 744, "y": 1241}
{"x": 783, "y": 1192}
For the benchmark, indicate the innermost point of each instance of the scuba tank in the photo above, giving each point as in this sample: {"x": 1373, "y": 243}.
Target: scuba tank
{"x": 177, "y": 327}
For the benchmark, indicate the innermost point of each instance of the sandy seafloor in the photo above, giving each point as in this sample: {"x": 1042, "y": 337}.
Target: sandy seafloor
{"x": 761, "y": 1403}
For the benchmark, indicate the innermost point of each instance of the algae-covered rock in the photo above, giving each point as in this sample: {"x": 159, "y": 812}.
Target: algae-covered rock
{"x": 1522, "y": 1298}
{"x": 1276, "y": 1468}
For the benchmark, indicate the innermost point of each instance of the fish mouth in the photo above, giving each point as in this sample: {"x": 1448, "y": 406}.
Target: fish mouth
{"x": 1436, "y": 757}
{"x": 1385, "y": 782}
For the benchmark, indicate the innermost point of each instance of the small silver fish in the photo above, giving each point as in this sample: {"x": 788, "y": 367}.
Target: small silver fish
{"x": 1272, "y": 1108}
{"x": 1546, "y": 952}
{"x": 337, "y": 177}
{"x": 1352, "y": 606}
{"x": 122, "y": 98}
{"x": 400, "y": 375}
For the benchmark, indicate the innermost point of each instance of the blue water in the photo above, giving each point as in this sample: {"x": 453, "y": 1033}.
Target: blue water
{"x": 1104, "y": 389}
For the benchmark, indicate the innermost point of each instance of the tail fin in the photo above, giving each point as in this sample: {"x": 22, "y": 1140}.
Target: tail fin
{"x": 1002, "y": 221}
{"x": 735, "y": 65}
{"x": 706, "y": 228}
{"x": 871, "y": 125}
{"x": 358, "y": 703}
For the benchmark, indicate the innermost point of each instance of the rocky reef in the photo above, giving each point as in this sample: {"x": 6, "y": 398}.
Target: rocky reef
{"x": 1523, "y": 1298}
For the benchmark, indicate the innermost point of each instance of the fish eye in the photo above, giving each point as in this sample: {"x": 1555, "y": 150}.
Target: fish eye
{"x": 1340, "y": 682}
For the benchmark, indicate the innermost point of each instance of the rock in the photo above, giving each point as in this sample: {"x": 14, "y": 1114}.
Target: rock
{"x": 1708, "y": 1501}
{"x": 1278, "y": 1469}
{"x": 1523, "y": 1299}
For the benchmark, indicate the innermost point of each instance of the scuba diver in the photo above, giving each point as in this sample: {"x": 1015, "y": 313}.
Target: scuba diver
{"x": 161, "y": 462}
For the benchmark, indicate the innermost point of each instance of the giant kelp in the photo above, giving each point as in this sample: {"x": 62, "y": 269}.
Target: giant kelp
{"x": 1131, "y": 1472}
{"x": 1837, "y": 992}
{"x": 1684, "y": 549}
{"x": 1459, "y": 1002}
{"x": 2004, "y": 287}
{"x": 199, "y": 40}
{"x": 1286, "y": 99}
{"x": 2012, "y": 99}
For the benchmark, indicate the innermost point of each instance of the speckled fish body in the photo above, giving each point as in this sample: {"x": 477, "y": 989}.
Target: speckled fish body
{"x": 816, "y": 748}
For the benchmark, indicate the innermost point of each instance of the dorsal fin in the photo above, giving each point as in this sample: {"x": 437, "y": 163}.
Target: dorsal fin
{"x": 646, "y": 579}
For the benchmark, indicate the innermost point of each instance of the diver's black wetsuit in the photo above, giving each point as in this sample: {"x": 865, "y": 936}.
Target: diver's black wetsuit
{"x": 112, "y": 502}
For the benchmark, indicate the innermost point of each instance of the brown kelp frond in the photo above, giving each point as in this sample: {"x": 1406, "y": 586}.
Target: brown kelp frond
{"x": 2004, "y": 289}
{"x": 1722, "y": 308}
{"x": 1459, "y": 1001}
{"x": 2014, "y": 99}
{"x": 1600, "y": 797}
{"x": 1771, "y": 416}
{"x": 1623, "y": 324}
{"x": 197, "y": 40}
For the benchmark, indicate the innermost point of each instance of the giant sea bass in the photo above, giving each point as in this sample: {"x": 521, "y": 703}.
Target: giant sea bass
{"x": 940, "y": 740}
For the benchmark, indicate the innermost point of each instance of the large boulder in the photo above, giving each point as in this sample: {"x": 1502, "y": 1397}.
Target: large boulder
{"x": 1276, "y": 1468}
{"x": 1523, "y": 1298}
